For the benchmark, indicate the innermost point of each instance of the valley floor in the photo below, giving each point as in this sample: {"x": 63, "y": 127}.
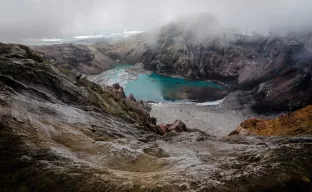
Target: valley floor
{"x": 213, "y": 120}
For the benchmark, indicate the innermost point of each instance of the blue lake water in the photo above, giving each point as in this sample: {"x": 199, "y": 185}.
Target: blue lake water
{"x": 161, "y": 88}
{"x": 151, "y": 87}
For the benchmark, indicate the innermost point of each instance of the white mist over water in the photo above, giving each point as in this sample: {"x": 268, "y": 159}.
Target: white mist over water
{"x": 112, "y": 76}
{"x": 37, "y": 19}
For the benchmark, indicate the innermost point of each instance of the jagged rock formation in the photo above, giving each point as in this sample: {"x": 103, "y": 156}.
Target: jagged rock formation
{"x": 58, "y": 132}
{"x": 81, "y": 58}
{"x": 296, "y": 123}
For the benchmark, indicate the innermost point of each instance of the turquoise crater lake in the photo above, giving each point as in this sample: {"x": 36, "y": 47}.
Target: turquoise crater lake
{"x": 160, "y": 88}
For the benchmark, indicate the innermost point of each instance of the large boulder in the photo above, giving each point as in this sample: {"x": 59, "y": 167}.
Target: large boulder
{"x": 119, "y": 91}
{"x": 177, "y": 126}
{"x": 132, "y": 98}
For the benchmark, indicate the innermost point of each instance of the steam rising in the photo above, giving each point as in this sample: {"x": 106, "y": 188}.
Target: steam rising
{"x": 26, "y": 19}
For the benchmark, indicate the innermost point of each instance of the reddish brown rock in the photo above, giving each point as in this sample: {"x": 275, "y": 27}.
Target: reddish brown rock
{"x": 296, "y": 123}
{"x": 163, "y": 128}
{"x": 240, "y": 131}
{"x": 177, "y": 126}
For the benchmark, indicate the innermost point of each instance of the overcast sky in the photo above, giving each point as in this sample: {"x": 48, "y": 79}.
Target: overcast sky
{"x": 23, "y": 19}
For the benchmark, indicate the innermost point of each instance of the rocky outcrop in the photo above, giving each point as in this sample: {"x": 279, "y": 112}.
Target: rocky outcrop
{"x": 81, "y": 58}
{"x": 118, "y": 91}
{"x": 296, "y": 123}
{"x": 177, "y": 126}
{"x": 290, "y": 91}
{"x": 131, "y": 98}
{"x": 93, "y": 58}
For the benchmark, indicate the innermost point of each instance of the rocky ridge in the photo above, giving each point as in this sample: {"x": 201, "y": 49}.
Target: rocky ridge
{"x": 92, "y": 59}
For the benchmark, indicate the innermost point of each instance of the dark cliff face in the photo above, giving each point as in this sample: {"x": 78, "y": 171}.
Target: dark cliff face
{"x": 280, "y": 64}
{"x": 290, "y": 91}
{"x": 248, "y": 60}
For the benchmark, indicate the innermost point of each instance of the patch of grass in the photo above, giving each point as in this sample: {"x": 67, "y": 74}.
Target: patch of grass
{"x": 32, "y": 54}
{"x": 65, "y": 71}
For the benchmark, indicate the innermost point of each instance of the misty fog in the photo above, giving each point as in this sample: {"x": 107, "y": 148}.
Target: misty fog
{"x": 26, "y": 19}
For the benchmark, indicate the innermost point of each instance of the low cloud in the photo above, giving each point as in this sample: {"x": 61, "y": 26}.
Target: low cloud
{"x": 27, "y": 19}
